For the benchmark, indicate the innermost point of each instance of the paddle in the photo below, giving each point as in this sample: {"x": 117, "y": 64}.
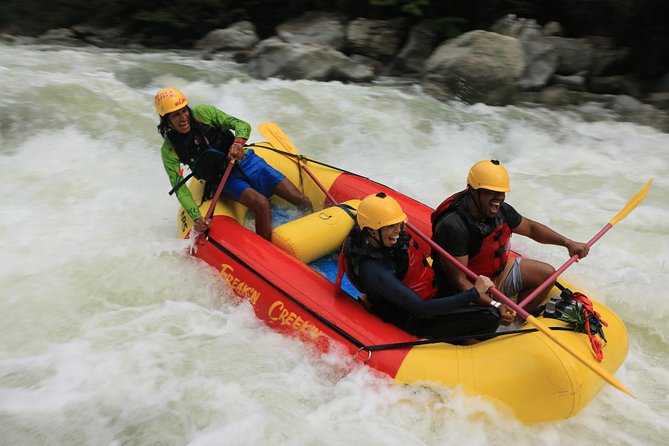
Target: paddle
{"x": 195, "y": 235}
{"x": 524, "y": 314}
{"x": 629, "y": 207}
{"x": 219, "y": 190}
{"x": 278, "y": 139}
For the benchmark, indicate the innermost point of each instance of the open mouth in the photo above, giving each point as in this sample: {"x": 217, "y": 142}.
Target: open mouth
{"x": 495, "y": 205}
{"x": 183, "y": 127}
{"x": 393, "y": 239}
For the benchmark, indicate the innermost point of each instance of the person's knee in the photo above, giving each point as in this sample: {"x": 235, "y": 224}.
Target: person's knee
{"x": 547, "y": 270}
{"x": 535, "y": 272}
{"x": 260, "y": 205}
{"x": 254, "y": 201}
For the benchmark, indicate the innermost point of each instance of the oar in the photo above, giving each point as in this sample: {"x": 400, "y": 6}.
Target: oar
{"x": 524, "y": 314}
{"x": 195, "y": 235}
{"x": 629, "y": 207}
{"x": 219, "y": 190}
{"x": 278, "y": 139}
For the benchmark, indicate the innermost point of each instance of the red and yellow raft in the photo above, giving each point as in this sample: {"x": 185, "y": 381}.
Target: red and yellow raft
{"x": 526, "y": 372}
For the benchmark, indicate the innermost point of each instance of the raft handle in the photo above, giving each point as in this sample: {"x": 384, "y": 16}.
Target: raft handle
{"x": 369, "y": 354}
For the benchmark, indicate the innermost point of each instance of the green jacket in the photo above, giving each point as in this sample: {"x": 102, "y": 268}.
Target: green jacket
{"x": 211, "y": 116}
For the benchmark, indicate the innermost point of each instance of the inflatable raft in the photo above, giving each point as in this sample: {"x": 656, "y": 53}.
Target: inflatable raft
{"x": 292, "y": 292}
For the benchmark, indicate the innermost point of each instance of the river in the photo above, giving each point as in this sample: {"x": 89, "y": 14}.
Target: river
{"x": 111, "y": 335}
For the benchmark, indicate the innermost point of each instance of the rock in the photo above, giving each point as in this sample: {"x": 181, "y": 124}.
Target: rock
{"x": 659, "y": 99}
{"x": 239, "y": 36}
{"x": 555, "y": 95}
{"x": 419, "y": 46}
{"x": 60, "y": 36}
{"x": 275, "y": 58}
{"x": 378, "y": 39}
{"x": 324, "y": 28}
{"x": 605, "y": 54}
{"x": 553, "y": 29}
{"x": 478, "y": 66}
{"x": 573, "y": 82}
{"x": 625, "y": 104}
{"x": 539, "y": 53}
{"x": 574, "y": 55}
{"x": 614, "y": 85}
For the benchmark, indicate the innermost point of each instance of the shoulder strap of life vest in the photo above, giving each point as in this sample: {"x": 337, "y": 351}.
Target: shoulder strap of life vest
{"x": 445, "y": 207}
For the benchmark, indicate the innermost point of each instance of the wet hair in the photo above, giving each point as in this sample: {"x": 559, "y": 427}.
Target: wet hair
{"x": 164, "y": 127}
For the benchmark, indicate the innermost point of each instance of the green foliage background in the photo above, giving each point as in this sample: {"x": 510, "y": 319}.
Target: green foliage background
{"x": 642, "y": 25}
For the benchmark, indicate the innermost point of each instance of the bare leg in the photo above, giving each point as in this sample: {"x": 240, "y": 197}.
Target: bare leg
{"x": 259, "y": 204}
{"x": 287, "y": 190}
{"x": 534, "y": 273}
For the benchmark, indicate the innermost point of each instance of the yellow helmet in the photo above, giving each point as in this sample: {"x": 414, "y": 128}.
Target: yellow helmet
{"x": 168, "y": 100}
{"x": 378, "y": 210}
{"x": 489, "y": 174}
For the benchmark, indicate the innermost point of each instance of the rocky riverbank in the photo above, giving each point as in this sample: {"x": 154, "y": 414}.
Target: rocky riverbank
{"x": 517, "y": 61}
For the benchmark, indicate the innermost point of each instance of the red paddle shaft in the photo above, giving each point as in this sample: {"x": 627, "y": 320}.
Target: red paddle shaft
{"x": 562, "y": 269}
{"x": 470, "y": 274}
{"x": 219, "y": 190}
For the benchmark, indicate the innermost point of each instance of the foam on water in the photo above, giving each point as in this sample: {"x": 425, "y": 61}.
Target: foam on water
{"x": 111, "y": 335}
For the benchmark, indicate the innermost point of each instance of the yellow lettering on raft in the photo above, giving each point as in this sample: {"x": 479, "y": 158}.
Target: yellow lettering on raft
{"x": 278, "y": 312}
{"x": 240, "y": 288}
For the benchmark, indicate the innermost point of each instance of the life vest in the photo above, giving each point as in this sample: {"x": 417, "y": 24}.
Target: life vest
{"x": 191, "y": 146}
{"x": 408, "y": 262}
{"x": 488, "y": 259}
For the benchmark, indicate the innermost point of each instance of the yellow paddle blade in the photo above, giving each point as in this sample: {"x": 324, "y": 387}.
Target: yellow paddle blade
{"x": 632, "y": 203}
{"x": 277, "y": 138}
{"x": 587, "y": 362}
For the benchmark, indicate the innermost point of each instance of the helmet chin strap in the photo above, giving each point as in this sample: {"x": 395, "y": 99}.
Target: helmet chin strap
{"x": 378, "y": 240}
{"x": 477, "y": 202}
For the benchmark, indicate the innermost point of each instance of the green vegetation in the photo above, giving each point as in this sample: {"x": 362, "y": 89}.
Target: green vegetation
{"x": 638, "y": 24}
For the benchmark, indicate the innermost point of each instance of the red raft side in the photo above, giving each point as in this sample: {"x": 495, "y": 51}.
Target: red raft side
{"x": 293, "y": 298}
{"x": 348, "y": 186}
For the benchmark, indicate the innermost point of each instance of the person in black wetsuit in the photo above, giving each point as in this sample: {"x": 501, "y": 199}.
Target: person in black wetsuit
{"x": 383, "y": 262}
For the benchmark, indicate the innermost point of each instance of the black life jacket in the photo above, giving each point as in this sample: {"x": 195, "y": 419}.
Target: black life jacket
{"x": 406, "y": 260}
{"x": 205, "y": 151}
{"x": 488, "y": 259}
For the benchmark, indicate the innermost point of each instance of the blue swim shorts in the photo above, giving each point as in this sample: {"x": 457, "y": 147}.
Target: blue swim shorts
{"x": 254, "y": 172}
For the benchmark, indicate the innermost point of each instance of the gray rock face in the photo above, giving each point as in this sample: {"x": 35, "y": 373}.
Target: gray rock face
{"x": 478, "y": 66}
{"x": 378, "y": 39}
{"x": 275, "y": 58}
{"x": 239, "y": 36}
{"x": 322, "y": 28}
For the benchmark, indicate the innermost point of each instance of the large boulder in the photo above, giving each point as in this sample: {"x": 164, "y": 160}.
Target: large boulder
{"x": 478, "y": 66}
{"x": 238, "y": 36}
{"x": 324, "y": 28}
{"x": 419, "y": 46}
{"x": 539, "y": 53}
{"x": 376, "y": 39}
{"x": 275, "y": 58}
{"x": 574, "y": 55}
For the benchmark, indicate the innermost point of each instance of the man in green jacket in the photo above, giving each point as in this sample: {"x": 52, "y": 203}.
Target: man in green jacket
{"x": 190, "y": 132}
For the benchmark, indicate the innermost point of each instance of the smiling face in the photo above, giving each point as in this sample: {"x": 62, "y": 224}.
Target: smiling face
{"x": 389, "y": 235}
{"x": 489, "y": 201}
{"x": 180, "y": 120}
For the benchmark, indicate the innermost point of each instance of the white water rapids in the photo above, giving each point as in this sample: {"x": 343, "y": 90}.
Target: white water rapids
{"x": 111, "y": 335}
